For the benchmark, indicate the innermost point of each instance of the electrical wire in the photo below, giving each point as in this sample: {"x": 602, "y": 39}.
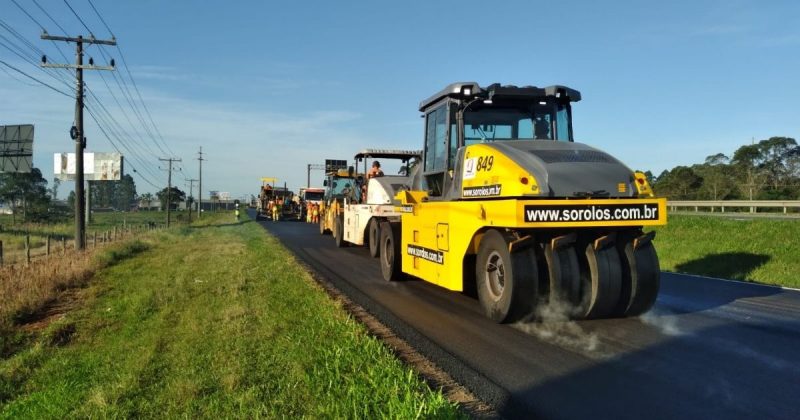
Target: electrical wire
{"x": 101, "y": 18}
{"x": 79, "y": 18}
{"x": 34, "y": 79}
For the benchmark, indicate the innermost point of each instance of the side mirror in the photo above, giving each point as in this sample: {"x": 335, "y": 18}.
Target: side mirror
{"x": 325, "y": 183}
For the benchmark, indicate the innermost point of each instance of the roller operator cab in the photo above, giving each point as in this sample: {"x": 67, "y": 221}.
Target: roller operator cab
{"x": 506, "y": 204}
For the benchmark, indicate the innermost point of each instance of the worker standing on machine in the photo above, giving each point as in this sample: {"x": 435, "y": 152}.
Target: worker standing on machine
{"x": 374, "y": 172}
{"x": 275, "y": 212}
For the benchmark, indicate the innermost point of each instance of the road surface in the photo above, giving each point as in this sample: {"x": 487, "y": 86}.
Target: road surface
{"x": 709, "y": 348}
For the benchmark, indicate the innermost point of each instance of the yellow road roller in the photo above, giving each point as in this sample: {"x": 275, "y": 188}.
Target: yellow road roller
{"x": 505, "y": 204}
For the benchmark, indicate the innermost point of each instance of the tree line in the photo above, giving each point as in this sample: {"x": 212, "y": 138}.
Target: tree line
{"x": 30, "y": 200}
{"x": 767, "y": 170}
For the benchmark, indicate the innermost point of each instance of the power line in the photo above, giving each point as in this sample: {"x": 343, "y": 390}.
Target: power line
{"x": 103, "y": 130}
{"x": 28, "y": 14}
{"x": 64, "y": 31}
{"x": 136, "y": 89}
{"x": 33, "y": 78}
{"x": 79, "y": 18}
{"x": 101, "y": 18}
{"x": 21, "y": 53}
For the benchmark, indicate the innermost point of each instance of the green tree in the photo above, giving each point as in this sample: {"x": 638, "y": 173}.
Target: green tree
{"x": 54, "y": 189}
{"x": 27, "y": 191}
{"x": 147, "y": 198}
{"x": 719, "y": 178}
{"x": 125, "y": 193}
{"x": 176, "y": 197}
{"x": 680, "y": 183}
{"x": 71, "y": 200}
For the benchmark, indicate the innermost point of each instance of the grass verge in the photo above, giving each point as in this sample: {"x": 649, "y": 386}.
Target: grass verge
{"x": 758, "y": 250}
{"x": 213, "y": 320}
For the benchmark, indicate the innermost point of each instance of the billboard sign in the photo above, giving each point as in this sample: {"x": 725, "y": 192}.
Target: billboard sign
{"x": 16, "y": 148}
{"x": 333, "y": 165}
{"x": 96, "y": 166}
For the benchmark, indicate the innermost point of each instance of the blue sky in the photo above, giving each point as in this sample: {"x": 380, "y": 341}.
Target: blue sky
{"x": 267, "y": 87}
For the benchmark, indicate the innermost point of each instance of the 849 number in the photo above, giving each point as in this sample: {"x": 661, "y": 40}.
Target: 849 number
{"x": 485, "y": 163}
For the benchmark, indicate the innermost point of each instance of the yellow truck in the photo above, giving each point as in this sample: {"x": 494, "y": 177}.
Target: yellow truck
{"x": 506, "y": 204}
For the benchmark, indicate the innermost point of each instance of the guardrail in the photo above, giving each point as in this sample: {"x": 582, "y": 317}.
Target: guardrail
{"x": 752, "y": 206}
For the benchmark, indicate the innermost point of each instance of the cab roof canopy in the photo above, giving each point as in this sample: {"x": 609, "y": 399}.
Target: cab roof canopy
{"x": 469, "y": 90}
{"x": 388, "y": 154}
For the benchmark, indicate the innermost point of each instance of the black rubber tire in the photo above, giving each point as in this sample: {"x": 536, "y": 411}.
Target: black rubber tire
{"x": 390, "y": 256}
{"x": 601, "y": 282}
{"x": 507, "y": 282}
{"x": 641, "y": 279}
{"x": 338, "y": 232}
{"x": 564, "y": 275}
{"x": 322, "y": 230}
{"x": 374, "y": 238}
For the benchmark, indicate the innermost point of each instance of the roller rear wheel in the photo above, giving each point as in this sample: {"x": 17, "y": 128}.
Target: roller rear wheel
{"x": 373, "y": 232}
{"x": 390, "y": 255}
{"x": 564, "y": 274}
{"x": 601, "y": 278}
{"x": 322, "y": 230}
{"x": 338, "y": 232}
{"x": 641, "y": 276}
{"x": 506, "y": 282}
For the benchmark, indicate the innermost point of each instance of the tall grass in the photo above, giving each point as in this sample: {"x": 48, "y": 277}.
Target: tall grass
{"x": 216, "y": 320}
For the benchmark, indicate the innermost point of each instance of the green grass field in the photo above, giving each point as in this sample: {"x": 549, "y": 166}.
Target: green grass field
{"x": 211, "y": 320}
{"x": 761, "y": 250}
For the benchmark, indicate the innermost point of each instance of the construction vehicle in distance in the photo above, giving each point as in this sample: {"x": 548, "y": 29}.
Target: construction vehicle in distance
{"x": 341, "y": 182}
{"x": 269, "y": 196}
{"x": 310, "y": 195}
{"x": 507, "y": 205}
{"x": 361, "y": 219}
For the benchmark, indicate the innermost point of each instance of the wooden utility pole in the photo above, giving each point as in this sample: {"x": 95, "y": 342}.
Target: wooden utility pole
{"x": 191, "y": 184}
{"x": 169, "y": 185}
{"x": 77, "y": 132}
{"x": 200, "y": 185}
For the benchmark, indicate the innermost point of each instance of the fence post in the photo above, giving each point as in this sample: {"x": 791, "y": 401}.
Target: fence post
{"x": 48, "y": 245}
{"x": 1, "y": 253}
{"x": 27, "y": 249}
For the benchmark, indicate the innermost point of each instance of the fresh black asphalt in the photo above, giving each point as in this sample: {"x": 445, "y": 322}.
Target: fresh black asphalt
{"x": 708, "y": 349}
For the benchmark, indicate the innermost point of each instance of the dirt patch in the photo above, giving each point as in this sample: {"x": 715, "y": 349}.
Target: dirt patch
{"x": 52, "y": 311}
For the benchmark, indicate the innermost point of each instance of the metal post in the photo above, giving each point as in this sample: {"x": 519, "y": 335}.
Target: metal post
{"x": 28, "y": 249}
{"x": 48, "y": 245}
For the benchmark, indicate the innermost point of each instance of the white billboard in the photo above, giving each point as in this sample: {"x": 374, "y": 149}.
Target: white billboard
{"x": 96, "y": 166}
